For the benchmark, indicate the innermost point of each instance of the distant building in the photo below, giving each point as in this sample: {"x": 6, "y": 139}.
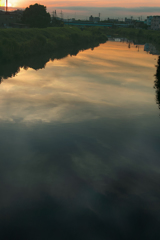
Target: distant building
{"x": 94, "y": 19}
{"x": 149, "y": 19}
{"x": 112, "y": 20}
{"x": 69, "y": 20}
{"x": 155, "y": 23}
{"x": 128, "y": 20}
{"x": 145, "y": 21}
{"x": 91, "y": 18}
{"x": 7, "y": 19}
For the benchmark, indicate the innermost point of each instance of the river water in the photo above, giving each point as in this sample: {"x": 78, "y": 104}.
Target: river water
{"x": 80, "y": 147}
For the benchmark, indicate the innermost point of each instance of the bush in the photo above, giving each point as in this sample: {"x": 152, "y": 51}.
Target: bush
{"x": 20, "y": 43}
{"x": 36, "y": 16}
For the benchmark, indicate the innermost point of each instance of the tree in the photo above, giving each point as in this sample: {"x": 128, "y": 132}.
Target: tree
{"x": 36, "y": 16}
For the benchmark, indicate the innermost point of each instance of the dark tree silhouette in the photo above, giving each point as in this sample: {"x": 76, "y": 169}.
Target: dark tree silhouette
{"x": 36, "y": 16}
{"x": 39, "y": 62}
{"x": 157, "y": 83}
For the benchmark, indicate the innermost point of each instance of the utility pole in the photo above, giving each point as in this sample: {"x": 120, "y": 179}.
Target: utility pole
{"x": 54, "y": 14}
{"x": 6, "y": 6}
{"x": 61, "y": 15}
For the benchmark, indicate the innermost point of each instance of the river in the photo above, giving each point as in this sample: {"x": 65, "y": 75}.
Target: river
{"x": 80, "y": 153}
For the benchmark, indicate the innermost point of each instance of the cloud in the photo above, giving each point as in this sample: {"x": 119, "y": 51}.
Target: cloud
{"x": 76, "y": 89}
{"x": 108, "y": 11}
{"x": 137, "y": 9}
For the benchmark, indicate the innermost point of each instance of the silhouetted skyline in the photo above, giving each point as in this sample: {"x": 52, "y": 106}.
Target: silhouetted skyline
{"x": 82, "y": 9}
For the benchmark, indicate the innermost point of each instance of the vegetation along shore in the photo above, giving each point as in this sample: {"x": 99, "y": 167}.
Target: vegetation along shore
{"x": 140, "y": 35}
{"x": 22, "y": 43}
{"x": 39, "y": 61}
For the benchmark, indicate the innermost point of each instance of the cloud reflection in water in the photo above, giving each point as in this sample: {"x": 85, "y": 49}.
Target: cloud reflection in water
{"x": 99, "y": 83}
{"x": 80, "y": 148}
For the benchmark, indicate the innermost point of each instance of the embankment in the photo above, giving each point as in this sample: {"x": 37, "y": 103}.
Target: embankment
{"x": 22, "y": 43}
{"x": 140, "y": 35}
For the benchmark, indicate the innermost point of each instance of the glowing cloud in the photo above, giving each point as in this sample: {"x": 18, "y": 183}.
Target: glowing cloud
{"x": 101, "y": 3}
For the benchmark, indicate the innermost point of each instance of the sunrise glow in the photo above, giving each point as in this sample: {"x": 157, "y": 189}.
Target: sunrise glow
{"x": 88, "y": 3}
{"x": 81, "y": 9}
{"x": 3, "y": 3}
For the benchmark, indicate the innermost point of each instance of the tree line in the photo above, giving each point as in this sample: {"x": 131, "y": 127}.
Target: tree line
{"x": 36, "y": 16}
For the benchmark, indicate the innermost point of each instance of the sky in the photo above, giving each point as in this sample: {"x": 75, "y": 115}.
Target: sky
{"x": 67, "y": 90}
{"x": 83, "y": 9}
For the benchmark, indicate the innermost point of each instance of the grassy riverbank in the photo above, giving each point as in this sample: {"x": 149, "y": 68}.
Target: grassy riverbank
{"x": 141, "y": 35}
{"x": 22, "y": 43}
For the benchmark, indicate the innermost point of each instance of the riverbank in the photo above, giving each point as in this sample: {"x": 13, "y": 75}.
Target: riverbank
{"x": 22, "y": 43}
{"x": 140, "y": 35}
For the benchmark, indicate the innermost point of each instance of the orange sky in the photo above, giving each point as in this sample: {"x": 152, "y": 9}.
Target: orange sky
{"x": 83, "y": 87}
{"x": 81, "y": 9}
{"x": 89, "y": 3}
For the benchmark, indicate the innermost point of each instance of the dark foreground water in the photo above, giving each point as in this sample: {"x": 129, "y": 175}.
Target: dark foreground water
{"x": 80, "y": 148}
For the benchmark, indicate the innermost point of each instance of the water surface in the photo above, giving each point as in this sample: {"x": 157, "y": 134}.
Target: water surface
{"x": 80, "y": 147}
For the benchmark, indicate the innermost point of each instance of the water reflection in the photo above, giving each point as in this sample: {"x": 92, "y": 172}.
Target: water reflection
{"x": 157, "y": 83}
{"x": 148, "y": 47}
{"x": 151, "y": 49}
{"x": 81, "y": 88}
{"x": 69, "y": 181}
{"x": 39, "y": 62}
{"x": 80, "y": 148}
